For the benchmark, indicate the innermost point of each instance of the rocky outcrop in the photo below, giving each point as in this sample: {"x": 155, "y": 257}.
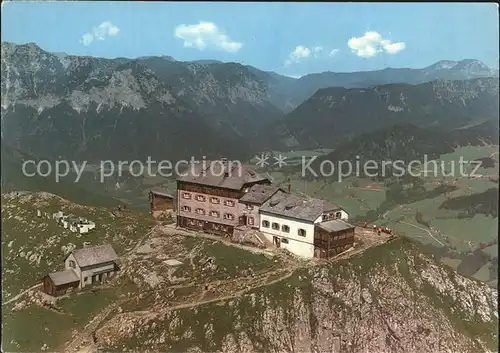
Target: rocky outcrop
{"x": 393, "y": 298}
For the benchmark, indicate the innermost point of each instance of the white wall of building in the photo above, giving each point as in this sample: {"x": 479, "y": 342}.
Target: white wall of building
{"x": 86, "y": 273}
{"x": 343, "y": 215}
{"x": 104, "y": 270}
{"x": 299, "y": 245}
{"x": 76, "y": 268}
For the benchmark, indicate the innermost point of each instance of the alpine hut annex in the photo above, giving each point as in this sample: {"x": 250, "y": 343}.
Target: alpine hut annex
{"x": 250, "y": 203}
{"x": 209, "y": 192}
{"x": 291, "y": 221}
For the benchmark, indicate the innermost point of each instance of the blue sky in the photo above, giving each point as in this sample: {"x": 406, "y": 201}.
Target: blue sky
{"x": 289, "y": 38}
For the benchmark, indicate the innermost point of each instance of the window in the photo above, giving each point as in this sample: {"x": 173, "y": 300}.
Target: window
{"x": 276, "y": 226}
{"x": 228, "y": 216}
{"x": 250, "y": 221}
{"x": 302, "y": 232}
{"x": 186, "y": 195}
{"x": 85, "y": 279}
{"x": 214, "y": 214}
{"x": 265, "y": 224}
{"x": 186, "y": 208}
{"x": 249, "y": 207}
{"x": 201, "y": 198}
{"x": 229, "y": 203}
{"x": 200, "y": 211}
{"x": 338, "y": 215}
{"x": 72, "y": 264}
{"x": 214, "y": 200}
{"x": 285, "y": 228}
{"x": 325, "y": 217}
{"x": 284, "y": 240}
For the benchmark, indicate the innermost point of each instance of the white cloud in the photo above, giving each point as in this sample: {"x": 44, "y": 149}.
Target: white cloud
{"x": 300, "y": 52}
{"x": 205, "y": 35}
{"x": 317, "y": 51}
{"x": 372, "y": 44}
{"x": 334, "y": 52}
{"x": 105, "y": 29}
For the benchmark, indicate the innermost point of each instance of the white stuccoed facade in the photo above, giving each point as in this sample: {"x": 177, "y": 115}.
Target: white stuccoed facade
{"x": 302, "y": 246}
{"x": 86, "y": 274}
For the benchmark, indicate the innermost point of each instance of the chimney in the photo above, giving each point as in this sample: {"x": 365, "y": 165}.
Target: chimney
{"x": 225, "y": 166}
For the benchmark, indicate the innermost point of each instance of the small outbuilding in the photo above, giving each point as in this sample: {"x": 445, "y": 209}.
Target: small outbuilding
{"x": 58, "y": 283}
{"x": 161, "y": 201}
{"x": 83, "y": 267}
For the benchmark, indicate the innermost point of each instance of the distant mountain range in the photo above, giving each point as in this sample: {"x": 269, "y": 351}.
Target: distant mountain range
{"x": 64, "y": 106}
{"x": 333, "y": 115}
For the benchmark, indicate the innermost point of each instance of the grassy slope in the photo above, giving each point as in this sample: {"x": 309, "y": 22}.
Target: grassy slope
{"x": 246, "y": 314}
{"x": 26, "y": 236}
{"x": 32, "y": 246}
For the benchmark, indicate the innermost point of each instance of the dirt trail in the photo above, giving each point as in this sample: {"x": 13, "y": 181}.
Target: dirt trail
{"x": 13, "y": 299}
{"x": 87, "y": 333}
{"x": 250, "y": 284}
{"x": 426, "y": 230}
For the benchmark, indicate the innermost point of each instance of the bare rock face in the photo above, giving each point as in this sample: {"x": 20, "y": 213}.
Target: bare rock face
{"x": 102, "y": 105}
{"x": 393, "y": 298}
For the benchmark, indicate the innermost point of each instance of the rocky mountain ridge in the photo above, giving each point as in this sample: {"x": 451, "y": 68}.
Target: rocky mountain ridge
{"x": 335, "y": 114}
{"x": 94, "y": 108}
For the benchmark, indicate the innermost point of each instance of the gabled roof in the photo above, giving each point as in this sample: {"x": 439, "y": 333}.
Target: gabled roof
{"x": 296, "y": 206}
{"x": 64, "y": 277}
{"x": 259, "y": 194}
{"x": 95, "y": 255}
{"x": 161, "y": 192}
{"x": 227, "y": 175}
{"x": 335, "y": 225}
